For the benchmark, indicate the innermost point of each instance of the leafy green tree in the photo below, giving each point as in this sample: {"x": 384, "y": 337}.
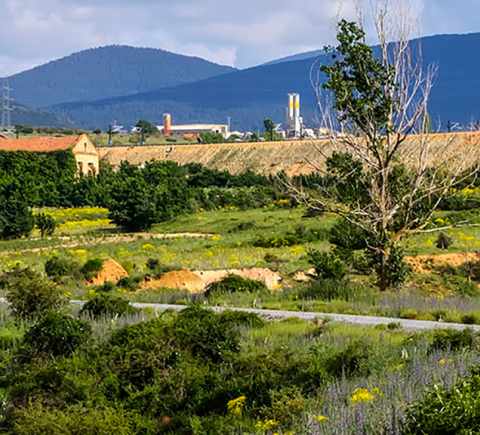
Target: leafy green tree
{"x": 141, "y": 198}
{"x": 46, "y": 224}
{"x": 146, "y": 127}
{"x": 23, "y": 129}
{"x": 378, "y": 102}
{"x": 16, "y": 218}
{"x": 269, "y": 128}
{"x": 211, "y": 138}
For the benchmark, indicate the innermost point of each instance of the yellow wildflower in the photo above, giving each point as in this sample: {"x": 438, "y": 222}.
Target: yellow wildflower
{"x": 364, "y": 395}
{"x": 235, "y": 406}
{"x": 321, "y": 418}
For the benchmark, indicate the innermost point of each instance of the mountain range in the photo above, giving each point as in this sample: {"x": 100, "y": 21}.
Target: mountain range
{"x": 246, "y": 96}
{"x": 108, "y": 72}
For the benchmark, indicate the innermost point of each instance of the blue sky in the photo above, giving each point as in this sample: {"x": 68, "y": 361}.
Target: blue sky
{"x": 240, "y": 33}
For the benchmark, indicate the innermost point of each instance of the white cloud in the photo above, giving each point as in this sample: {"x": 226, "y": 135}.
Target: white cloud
{"x": 232, "y": 32}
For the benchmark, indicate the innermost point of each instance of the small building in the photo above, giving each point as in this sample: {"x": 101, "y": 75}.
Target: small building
{"x": 86, "y": 155}
{"x": 191, "y": 130}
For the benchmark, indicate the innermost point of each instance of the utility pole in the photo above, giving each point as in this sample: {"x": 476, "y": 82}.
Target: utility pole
{"x": 6, "y": 107}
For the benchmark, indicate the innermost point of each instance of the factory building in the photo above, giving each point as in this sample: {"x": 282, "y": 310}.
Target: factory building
{"x": 294, "y": 128}
{"x": 191, "y": 130}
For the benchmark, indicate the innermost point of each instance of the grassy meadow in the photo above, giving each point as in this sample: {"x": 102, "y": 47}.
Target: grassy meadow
{"x": 230, "y": 240}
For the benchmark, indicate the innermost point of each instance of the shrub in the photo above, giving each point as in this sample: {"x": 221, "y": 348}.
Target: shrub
{"x": 107, "y": 287}
{"x": 128, "y": 283}
{"x": 277, "y": 241}
{"x": 107, "y": 305}
{"x": 46, "y": 224}
{"x": 468, "y": 289}
{"x": 347, "y": 361}
{"x": 234, "y": 283}
{"x": 56, "y": 334}
{"x": 152, "y": 263}
{"x": 409, "y": 314}
{"x": 91, "y": 268}
{"x": 447, "y": 411}
{"x": 16, "y": 218}
{"x": 206, "y": 334}
{"x": 57, "y": 266}
{"x": 444, "y": 241}
{"x": 242, "y": 318}
{"x": 471, "y": 319}
{"x": 327, "y": 266}
{"x": 72, "y": 420}
{"x": 29, "y": 295}
{"x": 449, "y": 339}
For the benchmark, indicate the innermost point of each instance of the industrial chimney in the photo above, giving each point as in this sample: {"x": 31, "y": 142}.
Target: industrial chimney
{"x": 294, "y": 122}
{"x": 167, "y": 124}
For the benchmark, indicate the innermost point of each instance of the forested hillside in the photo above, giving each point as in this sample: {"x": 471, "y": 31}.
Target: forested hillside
{"x": 26, "y": 115}
{"x": 108, "y": 72}
{"x": 248, "y": 96}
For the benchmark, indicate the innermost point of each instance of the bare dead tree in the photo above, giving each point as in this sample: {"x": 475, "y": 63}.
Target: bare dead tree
{"x": 375, "y": 107}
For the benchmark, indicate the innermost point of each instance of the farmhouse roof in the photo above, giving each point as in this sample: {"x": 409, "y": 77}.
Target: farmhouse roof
{"x": 40, "y": 144}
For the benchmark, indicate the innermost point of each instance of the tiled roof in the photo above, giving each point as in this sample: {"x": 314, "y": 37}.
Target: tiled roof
{"x": 39, "y": 144}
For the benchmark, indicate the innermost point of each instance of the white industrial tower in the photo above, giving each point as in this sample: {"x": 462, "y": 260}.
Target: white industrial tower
{"x": 294, "y": 122}
{"x": 6, "y": 106}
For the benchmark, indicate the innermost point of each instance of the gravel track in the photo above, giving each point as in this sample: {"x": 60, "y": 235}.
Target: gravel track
{"x": 272, "y": 315}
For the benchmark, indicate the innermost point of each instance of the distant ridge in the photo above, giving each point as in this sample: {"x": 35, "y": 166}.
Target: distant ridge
{"x": 107, "y": 72}
{"x": 36, "y": 117}
{"x": 248, "y": 96}
{"x": 300, "y": 56}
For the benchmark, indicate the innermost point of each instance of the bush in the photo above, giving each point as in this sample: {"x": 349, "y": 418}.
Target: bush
{"x": 106, "y": 305}
{"x": 56, "y": 334}
{"x": 234, "y": 283}
{"x": 449, "y": 339}
{"x": 46, "y": 224}
{"x": 91, "y": 268}
{"x": 471, "y": 319}
{"x": 297, "y": 237}
{"x": 242, "y": 318}
{"x": 57, "y": 266}
{"x": 72, "y": 420}
{"x": 128, "y": 283}
{"x": 206, "y": 334}
{"x": 16, "y": 218}
{"x": 327, "y": 266}
{"x": 30, "y": 295}
{"x": 452, "y": 411}
{"x": 468, "y": 289}
{"x": 444, "y": 241}
{"x": 347, "y": 361}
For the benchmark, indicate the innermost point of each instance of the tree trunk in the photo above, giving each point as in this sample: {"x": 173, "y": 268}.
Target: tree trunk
{"x": 383, "y": 281}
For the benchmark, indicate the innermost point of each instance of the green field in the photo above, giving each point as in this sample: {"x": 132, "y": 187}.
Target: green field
{"x": 228, "y": 243}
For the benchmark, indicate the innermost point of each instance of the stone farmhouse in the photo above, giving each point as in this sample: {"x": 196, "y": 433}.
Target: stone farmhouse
{"x": 87, "y": 156}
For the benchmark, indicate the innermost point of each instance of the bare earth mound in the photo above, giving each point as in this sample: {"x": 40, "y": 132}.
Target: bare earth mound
{"x": 429, "y": 264}
{"x": 111, "y": 271}
{"x": 176, "y": 280}
{"x": 197, "y": 281}
{"x": 271, "y": 279}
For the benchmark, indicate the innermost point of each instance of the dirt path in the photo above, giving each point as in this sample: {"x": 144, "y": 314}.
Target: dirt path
{"x": 108, "y": 240}
{"x": 272, "y": 315}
